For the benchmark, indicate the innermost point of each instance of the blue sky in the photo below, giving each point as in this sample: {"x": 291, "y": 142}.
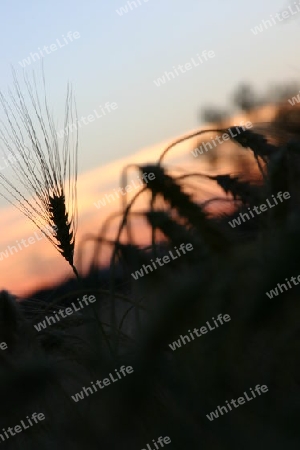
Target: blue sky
{"x": 117, "y": 58}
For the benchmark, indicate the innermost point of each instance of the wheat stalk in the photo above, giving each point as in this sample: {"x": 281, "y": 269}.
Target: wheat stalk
{"x": 44, "y": 181}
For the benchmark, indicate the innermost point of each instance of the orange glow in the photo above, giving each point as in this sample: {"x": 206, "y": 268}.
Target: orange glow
{"x": 39, "y": 265}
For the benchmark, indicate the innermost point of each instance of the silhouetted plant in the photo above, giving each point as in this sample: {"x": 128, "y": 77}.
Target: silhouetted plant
{"x": 171, "y": 392}
{"x": 45, "y": 170}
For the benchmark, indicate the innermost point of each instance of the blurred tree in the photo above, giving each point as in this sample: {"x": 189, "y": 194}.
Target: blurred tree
{"x": 245, "y": 98}
{"x": 213, "y": 114}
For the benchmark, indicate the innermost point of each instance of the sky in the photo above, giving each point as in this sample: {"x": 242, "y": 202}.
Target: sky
{"x": 28, "y": 261}
{"x": 117, "y": 58}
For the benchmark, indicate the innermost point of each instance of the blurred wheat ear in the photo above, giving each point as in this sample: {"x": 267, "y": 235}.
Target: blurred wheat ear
{"x": 43, "y": 185}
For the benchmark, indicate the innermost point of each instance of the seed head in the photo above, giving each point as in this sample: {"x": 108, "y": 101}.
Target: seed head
{"x": 44, "y": 177}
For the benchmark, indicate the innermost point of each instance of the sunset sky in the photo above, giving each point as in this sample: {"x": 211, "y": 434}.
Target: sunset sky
{"x": 36, "y": 263}
{"x": 116, "y": 58}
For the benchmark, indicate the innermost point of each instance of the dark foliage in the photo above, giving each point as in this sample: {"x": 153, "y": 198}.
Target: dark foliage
{"x": 133, "y": 322}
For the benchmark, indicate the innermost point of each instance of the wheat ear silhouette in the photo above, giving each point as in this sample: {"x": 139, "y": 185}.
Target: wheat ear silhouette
{"x": 43, "y": 185}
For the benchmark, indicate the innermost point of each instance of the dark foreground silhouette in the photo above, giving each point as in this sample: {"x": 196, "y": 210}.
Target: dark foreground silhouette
{"x": 190, "y": 366}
